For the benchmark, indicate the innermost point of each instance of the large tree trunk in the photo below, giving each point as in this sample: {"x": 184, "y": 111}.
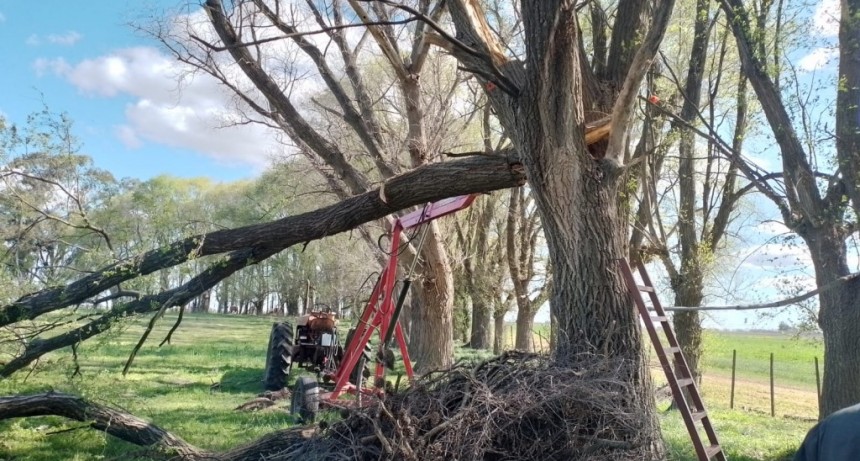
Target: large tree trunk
{"x": 840, "y": 309}
{"x": 689, "y": 285}
{"x": 499, "y": 327}
{"x": 482, "y": 323}
{"x": 525, "y": 324}
{"x": 541, "y": 103}
{"x": 839, "y": 318}
{"x": 431, "y": 345}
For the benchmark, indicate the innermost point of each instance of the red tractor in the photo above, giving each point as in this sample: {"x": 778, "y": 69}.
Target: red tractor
{"x": 315, "y": 345}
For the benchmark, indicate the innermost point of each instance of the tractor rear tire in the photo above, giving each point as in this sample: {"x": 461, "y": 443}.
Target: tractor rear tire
{"x": 361, "y": 368}
{"x": 305, "y": 401}
{"x": 279, "y": 360}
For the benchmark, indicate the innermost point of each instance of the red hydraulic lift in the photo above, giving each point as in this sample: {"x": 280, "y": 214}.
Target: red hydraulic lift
{"x": 382, "y": 311}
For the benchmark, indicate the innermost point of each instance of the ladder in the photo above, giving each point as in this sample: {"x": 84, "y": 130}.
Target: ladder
{"x": 674, "y": 365}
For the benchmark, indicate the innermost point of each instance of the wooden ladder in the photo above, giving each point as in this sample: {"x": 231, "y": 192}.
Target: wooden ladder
{"x": 674, "y": 365}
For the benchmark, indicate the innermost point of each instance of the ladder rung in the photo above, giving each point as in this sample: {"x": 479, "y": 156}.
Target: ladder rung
{"x": 713, "y": 450}
{"x": 645, "y": 288}
{"x": 684, "y": 382}
{"x": 674, "y": 349}
{"x": 698, "y": 415}
{"x": 659, "y": 318}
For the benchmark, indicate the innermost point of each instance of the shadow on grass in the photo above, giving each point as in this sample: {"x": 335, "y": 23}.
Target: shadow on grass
{"x": 686, "y": 454}
{"x": 785, "y": 455}
{"x": 242, "y": 380}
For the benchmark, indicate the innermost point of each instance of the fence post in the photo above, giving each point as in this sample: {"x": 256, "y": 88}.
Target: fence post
{"x": 772, "y": 405}
{"x": 540, "y": 337}
{"x": 734, "y": 362}
{"x": 817, "y": 382}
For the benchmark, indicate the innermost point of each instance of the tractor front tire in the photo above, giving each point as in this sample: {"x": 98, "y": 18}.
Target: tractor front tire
{"x": 279, "y": 360}
{"x": 305, "y": 401}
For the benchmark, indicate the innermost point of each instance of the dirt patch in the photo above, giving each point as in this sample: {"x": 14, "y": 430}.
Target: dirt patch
{"x": 754, "y": 396}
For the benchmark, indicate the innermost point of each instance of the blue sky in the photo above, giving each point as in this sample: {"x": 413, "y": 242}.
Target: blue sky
{"x": 135, "y": 120}
{"x": 120, "y": 88}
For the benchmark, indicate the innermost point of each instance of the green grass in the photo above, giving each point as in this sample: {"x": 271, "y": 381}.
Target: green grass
{"x": 171, "y": 387}
{"x": 794, "y": 358}
{"x": 744, "y": 436}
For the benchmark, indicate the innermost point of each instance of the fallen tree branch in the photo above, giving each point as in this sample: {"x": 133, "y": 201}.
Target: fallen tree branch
{"x": 179, "y": 296}
{"x": 132, "y": 429}
{"x": 425, "y": 184}
{"x": 114, "y": 422}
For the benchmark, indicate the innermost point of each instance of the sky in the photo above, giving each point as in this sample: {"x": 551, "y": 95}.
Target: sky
{"x": 135, "y": 118}
{"x": 121, "y": 90}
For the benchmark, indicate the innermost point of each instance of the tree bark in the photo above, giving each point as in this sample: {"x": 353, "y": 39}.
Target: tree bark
{"x": 688, "y": 285}
{"x": 116, "y": 423}
{"x": 499, "y": 327}
{"x": 431, "y": 345}
{"x": 525, "y": 326}
{"x": 482, "y": 323}
{"x": 839, "y": 314}
{"x": 839, "y": 318}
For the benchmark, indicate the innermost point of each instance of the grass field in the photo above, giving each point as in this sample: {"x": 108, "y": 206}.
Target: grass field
{"x": 172, "y": 387}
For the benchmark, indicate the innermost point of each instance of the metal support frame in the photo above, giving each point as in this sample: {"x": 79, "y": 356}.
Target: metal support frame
{"x": 381, "y": 313}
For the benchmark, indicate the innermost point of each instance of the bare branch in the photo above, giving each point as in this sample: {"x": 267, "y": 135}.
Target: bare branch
{"x": 781, "y": 303}
{"x": 622, "y": 110}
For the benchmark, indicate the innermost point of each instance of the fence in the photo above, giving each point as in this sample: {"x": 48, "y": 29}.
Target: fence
{"x": 539, "y": 338}
{"x": 814, "y": 366}
{"x": 784, "y": 383}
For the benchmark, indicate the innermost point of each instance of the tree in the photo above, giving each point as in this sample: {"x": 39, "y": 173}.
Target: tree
{"x": 688, "y": 223}
{"x": 522, "y": 239}
{"x": 348, "y": 135}
{"x": 481, "y": 271}
{"x": 817, "y": 206}
{"x": 544, "y": 102}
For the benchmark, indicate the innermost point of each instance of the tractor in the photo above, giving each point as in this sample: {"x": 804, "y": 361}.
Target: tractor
{"x": 315, "y": 346}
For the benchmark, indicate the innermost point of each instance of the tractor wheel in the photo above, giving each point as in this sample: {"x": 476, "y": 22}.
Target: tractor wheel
{"x": 305, "y": 401}
{"x": 361, "y": 368}
{"x": 279, "y": 358}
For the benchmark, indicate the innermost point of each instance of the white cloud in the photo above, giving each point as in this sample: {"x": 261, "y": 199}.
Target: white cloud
{"x": 128, "y": 136}
{"x": 817, "y": 59}
{"x": 57, "y": 66}
{"x": 826, "y": 18}
{"x": 68, "y": 39}
{"x": 170, "y": 107}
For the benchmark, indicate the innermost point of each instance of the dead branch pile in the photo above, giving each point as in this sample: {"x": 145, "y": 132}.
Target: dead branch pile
{"x": 514, "y": 407}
